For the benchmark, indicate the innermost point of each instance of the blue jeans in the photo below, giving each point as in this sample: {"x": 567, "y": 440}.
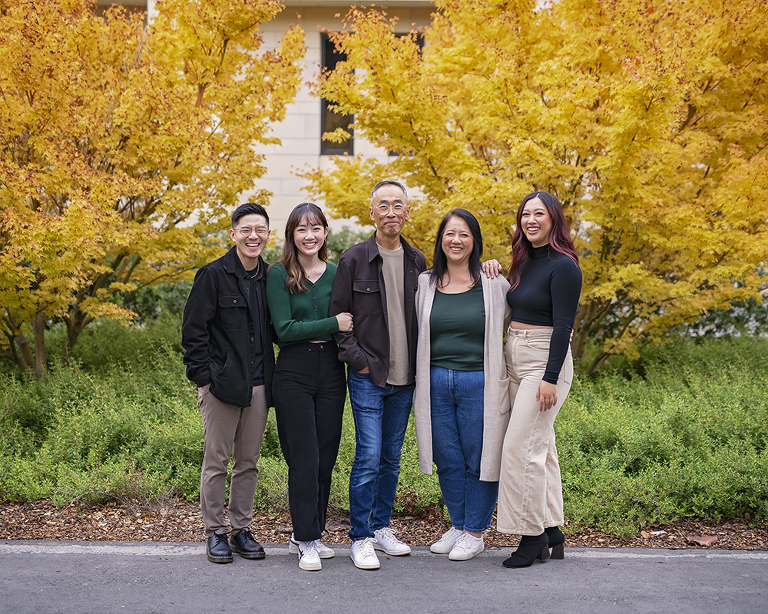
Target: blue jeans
{"x": 457, "y": 444}
{"x": 381, "y": 417}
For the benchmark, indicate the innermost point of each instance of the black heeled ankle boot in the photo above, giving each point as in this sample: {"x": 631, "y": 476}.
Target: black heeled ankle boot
{"x": 556, "y": 541}
{"x": 531, "y": 547}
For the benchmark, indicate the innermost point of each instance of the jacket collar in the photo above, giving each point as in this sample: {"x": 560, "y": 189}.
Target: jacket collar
{"x": 373, "y": 248}
{"x": 233, "y": 266}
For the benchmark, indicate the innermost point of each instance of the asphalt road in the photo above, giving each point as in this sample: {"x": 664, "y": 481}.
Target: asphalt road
{"x": 65, "y": 577}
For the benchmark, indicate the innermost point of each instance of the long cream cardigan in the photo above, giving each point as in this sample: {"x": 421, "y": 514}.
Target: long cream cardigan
{"x": 496, "y": 389}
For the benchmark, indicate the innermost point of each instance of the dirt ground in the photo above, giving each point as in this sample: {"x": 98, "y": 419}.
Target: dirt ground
{"x": 180, "y": 521}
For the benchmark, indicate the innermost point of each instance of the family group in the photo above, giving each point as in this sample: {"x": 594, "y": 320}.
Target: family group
{"x": 484, "y": 361}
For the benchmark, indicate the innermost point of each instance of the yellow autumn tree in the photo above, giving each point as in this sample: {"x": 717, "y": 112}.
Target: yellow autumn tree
{"x": 648, "y": 119}
{"x": 122, "y": 147}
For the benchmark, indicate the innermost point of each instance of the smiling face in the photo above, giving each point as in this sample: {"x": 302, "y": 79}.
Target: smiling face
{"x": 457, "y": 241}
{"x": 309, "y": 236}
{"x": 535, "y": 222}
{"x": 390, "y": 210}
{"x": 250, "y": 236}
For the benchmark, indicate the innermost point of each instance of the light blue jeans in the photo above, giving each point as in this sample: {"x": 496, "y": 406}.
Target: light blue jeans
{"x": 457, "y": 445}
{"x": 381, "y": 417}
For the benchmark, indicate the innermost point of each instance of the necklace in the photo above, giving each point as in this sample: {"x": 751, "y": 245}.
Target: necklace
{"x": 312, "y": 272}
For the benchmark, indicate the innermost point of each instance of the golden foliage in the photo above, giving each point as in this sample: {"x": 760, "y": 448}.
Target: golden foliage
{"x": 124, "y": 145}
{"x": 648, "y": 120}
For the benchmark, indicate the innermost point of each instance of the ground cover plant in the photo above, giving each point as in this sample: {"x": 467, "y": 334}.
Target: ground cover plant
{"x": 681, "y": 433}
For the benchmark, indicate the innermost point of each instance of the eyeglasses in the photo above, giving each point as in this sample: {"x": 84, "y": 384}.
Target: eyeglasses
{"x": 246, "y": 231}
{"x": 397, "y": 208}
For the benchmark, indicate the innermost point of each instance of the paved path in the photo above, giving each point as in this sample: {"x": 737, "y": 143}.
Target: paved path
{"x": 65, "y": 577}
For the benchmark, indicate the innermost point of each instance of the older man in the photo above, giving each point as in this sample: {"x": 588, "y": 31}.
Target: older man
{"x": 376, "y": 282}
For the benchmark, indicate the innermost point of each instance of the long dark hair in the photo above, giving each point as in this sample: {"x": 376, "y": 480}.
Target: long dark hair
{"x": 313, "y": 215}
{"x": 559, "y": 237}
{"x": 440, "y": 262}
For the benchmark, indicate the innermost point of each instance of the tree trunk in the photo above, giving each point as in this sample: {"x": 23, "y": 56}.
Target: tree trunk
{"x": 41, "y": 362}
{"x": 76, "y": 322}
{"x": 584, "y": 319}
{"x": 597, "y": 362}
{"x": 24, "y": 356}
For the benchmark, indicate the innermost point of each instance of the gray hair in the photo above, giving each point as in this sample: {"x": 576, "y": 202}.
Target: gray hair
{"x": 388, "y": 182}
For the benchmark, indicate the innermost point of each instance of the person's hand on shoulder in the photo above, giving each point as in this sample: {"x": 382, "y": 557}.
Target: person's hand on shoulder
{"x": 491, "y": 268}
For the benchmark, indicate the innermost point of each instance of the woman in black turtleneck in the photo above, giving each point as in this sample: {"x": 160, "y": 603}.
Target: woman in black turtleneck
{"x": 546, "y": 284}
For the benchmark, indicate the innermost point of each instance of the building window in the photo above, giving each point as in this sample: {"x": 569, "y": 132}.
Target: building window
{"x": 330, "y": 121}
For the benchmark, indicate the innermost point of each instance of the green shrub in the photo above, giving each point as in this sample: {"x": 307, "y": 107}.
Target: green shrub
{"x": 686, "y": 440}
{"x": 681, "y": 433}
{"x": 159, "y": 301}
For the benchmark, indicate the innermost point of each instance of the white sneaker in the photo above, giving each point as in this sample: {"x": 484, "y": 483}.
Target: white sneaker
{"x": 363, "y": 555}
{"x": 309, "y": 559}
{"x": 324, "y": 551}
{"x": 293, "y": 545}
{"x": 446, "y": 542}
{"x": 386, "y": 541}
{"x": 466, "y": 547}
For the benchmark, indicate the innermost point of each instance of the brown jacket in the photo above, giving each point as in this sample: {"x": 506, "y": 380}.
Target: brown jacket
{"x": 358, "y": 288}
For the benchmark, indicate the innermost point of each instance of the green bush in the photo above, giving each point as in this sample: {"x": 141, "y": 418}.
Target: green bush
{"x": 106, "y": 345}
{"x": 163, "y": 300}
{"x": 687, "y": 440}
{"x": 681, "y": 433}
{"x": 129, "y": 430}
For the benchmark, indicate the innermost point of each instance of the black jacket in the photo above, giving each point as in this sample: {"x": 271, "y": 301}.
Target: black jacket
{"x": 214, "y": 332}
{"x": 358, "y": 288}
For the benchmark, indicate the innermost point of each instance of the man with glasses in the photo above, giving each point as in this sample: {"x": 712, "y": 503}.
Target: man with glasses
{"x": 229, "y": 356}
{"x": 376, "y": 282}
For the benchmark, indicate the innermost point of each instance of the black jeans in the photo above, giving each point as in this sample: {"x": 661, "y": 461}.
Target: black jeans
{"x": 309, "y": 390}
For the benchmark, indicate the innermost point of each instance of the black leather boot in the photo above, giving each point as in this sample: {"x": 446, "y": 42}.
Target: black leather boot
{"x": 531, "y": 547}
{"x": 244, "y": 543}
{"x": 218, "y": 549}
{"x": 556, "y": 541}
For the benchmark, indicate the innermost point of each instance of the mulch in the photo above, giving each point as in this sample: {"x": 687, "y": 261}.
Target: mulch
{"x": 170, "y": 520}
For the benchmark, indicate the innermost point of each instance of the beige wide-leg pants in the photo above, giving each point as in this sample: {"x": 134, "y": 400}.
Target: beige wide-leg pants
{"x": 236, "y": 432}
{"x": 530, "y": 491}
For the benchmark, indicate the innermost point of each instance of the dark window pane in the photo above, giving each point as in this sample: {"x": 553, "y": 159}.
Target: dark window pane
{"x": 330, "y": 121}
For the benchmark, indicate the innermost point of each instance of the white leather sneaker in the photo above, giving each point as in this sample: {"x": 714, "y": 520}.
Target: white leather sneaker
{"x": 386, "y": 541}
{"x": 324, "y": 551}
{"x": 446, "y": 543}
{"x": 309, "y": 559}
{"x": 466, "y": 547}
{"x": 363, "y": 555}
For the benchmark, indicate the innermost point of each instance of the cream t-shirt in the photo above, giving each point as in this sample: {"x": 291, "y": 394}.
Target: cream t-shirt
{"x": 394, "y": 286}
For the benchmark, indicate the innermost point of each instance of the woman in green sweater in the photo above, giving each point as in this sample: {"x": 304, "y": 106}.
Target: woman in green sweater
{"x": 308, "y": 385}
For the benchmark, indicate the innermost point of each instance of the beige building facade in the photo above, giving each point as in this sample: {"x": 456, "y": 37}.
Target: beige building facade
{"x": 300, "y": 132}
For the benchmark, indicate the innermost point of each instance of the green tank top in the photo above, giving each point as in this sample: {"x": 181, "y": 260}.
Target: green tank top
{"x": 457, "y": 330}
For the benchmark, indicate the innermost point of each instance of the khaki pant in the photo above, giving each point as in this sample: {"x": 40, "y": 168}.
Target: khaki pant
{"x": 236, "y": 432}
{"x": 530, "y": 491}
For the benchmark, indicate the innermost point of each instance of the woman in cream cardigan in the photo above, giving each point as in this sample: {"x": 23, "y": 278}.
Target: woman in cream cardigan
{"x": 461, "y": 400}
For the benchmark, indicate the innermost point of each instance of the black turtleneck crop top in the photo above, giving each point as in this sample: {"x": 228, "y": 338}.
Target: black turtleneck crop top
{"x": 548, "y": 295}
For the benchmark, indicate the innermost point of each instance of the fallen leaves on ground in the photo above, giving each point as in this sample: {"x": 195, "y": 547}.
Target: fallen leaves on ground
{"x": 702, "y": 540}
{"x": 180, "y": 521}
